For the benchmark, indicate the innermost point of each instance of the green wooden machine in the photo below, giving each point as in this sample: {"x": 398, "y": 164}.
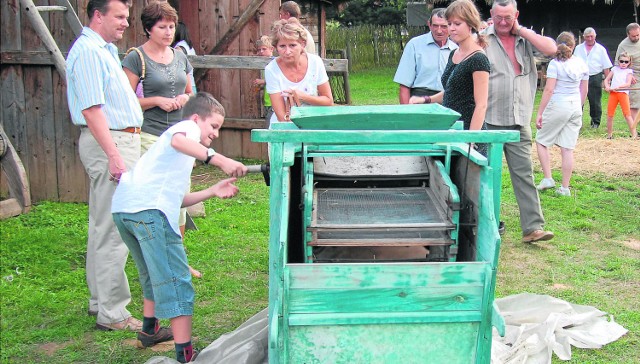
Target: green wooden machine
{"x": 384, "y": 239}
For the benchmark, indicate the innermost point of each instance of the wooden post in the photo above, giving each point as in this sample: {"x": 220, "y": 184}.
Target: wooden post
{"x": 31, "y": 11}
{"x": 375, "y": 48}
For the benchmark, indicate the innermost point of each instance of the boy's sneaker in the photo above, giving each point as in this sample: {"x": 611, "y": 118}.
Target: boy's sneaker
{"x": 194, "y": 355}
{"x": 163, "y": 334}
{"x": 563, "y": 191}
{"x": 546, "y": 184}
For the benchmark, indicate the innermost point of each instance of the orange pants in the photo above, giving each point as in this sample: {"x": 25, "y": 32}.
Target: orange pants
{"x": 621, "y": 98}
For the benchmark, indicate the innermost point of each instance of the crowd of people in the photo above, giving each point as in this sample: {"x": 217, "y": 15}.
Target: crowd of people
{"x": 146, "y": 109}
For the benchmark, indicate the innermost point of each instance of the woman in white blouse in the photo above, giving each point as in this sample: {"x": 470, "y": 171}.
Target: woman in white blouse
{"x": 295, "y": 77}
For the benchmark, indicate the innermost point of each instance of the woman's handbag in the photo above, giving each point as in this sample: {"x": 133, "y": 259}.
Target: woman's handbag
{"x": 139, "y": 88}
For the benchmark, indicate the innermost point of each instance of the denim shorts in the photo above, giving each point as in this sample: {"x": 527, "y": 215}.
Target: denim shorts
{"x": 161, "y": 261}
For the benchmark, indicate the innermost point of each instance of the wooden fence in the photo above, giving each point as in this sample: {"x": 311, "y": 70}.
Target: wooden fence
{"x": 371, "y": 46}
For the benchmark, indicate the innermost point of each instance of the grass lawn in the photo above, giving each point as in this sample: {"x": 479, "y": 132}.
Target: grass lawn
{"x": 594, "y": 260}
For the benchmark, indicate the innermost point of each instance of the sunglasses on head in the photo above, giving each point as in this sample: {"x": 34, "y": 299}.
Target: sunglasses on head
{"x": 623, "y": 61}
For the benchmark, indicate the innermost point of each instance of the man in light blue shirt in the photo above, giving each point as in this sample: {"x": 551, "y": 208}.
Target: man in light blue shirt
{"x": 103, "y": 104}
{"x": 424, "y": 59}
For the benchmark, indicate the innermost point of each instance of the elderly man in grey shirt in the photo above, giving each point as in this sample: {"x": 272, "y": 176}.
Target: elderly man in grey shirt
{"x": 512, "y": 89}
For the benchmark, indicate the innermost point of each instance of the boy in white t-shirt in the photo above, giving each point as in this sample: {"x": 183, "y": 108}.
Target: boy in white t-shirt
{"x": 617, "y": 82}
{"x": 145, "y": 208}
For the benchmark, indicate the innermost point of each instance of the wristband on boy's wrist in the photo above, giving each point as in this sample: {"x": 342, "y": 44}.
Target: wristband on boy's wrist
{"x": 427, "y": 99}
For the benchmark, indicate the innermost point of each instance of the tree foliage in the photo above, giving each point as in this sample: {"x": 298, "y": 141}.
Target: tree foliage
{"x": 375, "y": 12}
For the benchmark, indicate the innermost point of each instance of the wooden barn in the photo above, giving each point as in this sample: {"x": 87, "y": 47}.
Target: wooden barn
{"x": 34, "y": 112}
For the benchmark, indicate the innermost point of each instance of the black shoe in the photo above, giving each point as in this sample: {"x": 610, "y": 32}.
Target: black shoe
{"x": 595, "y": 126}
{"x": 501, "y": 228}
{"x": 163, "y": 334}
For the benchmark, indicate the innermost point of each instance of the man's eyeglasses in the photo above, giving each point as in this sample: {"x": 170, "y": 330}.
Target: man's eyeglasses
{"x": 621, "y": 61}
{"x": 499, "y": 19}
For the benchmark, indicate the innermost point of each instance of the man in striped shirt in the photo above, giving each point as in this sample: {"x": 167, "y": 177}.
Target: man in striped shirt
{"x": 103, "y": 104}
{"x": 512, "y": 90}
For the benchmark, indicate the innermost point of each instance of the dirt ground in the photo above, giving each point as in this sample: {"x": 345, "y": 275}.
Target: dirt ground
{"x": 618, "y": 157}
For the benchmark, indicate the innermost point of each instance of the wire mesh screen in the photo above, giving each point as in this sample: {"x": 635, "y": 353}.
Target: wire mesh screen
{"x": 375, "y": 207}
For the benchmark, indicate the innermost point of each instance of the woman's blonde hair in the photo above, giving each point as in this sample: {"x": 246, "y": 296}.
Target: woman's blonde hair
{"x": 468, "y": 13}
{"x": 264, "y": 41}
{"x": 625, "y": 55}
{"x": 289, "y": 29}
{"x": 566, "y": 42}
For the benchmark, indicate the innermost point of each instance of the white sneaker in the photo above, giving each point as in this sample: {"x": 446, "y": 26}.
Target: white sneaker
{"x": 563, "y": 191}
{"x": 546, "y": 184}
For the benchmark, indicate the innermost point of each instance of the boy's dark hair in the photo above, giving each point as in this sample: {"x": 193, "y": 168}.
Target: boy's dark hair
{"x": 156, "y": 11}
{"x": 203, "y": 104}
{"x": 182, "y": 33}
{"x": 102, "y": 6}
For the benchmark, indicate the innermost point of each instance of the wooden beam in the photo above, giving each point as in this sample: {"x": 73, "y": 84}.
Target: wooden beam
{"x": 243, "y": 124}
{"x": 34, "y": 58}
{"x": 51, "y": 8}
{"x": 39, "y": 58}
{"x": 232, "y": 33}
{"x": 38, "y": 24}
{"x": 72, "y": 17}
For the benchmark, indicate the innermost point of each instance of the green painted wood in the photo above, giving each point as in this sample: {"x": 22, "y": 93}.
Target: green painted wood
{"x": 405, "y": 299}
{"x": 388, "y": 137}
{"x": 384, "y": 344}
{"x": 385, "y": 275}
{"x": 374, "y": 117}
{"x": 377, "y": 318}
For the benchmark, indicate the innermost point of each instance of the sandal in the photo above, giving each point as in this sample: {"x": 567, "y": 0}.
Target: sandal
{"x": 609, "y": 136}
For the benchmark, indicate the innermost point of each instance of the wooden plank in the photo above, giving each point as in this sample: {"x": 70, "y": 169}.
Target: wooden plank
{"x": 401, "y": 299}
{"x": 231, "y": 142}
{"x": 374, "y": 318}
{"x": 81, "y": 10}
{"x": 188, "y": 12}
{"x": 254, "y": 62}
{"x": 72, "y": 18}
{"x": 389, "y": 137}
{"x": 250, "y": 149}
{"x": 230, "y": 78}
{"x": 10, "y": 22}
{"x": 236, "y": 27}
{"x": 10, "y": 30}
{"x": 250, "y": 97}
{"x": 245, "y": 124}
{"x": 37, "y": 22}
{"x": 385, "y": 275}
{"x": 62, "y": 31}
{"x": 32, "y": 58}
{"x": 13, "y": 109}
{"x": 73, "y": 182}
{"x": 406, "y": 343}
{"x": 208, "y": 62}
{"x": 41, "y": 134}
{"x": 209, "y": 18}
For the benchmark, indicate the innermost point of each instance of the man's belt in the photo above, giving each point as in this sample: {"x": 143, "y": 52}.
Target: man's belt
{"x": 131, "y": 129}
